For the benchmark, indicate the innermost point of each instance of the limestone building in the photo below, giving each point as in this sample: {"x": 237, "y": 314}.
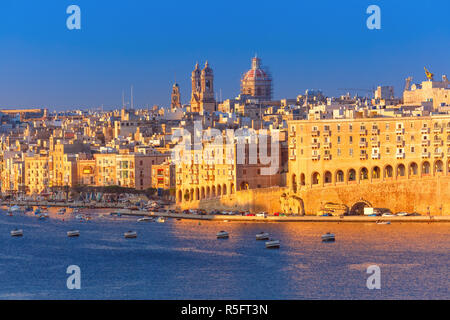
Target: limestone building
{"x": 257, "y": 82}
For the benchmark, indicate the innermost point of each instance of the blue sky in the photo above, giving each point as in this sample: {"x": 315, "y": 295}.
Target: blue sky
{"x": 306, "y": 44}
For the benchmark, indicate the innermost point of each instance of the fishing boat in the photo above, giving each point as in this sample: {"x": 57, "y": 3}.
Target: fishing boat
{"x": 43, "y": 216}
{"x": 16, "y": 233}
{"x": 383, "y": 222}
{"x": 14, "y": 209}
{"x": 73, "y": 233}
{"x": 130, "y": 234}
{"x": 62, "y": 211}
{"x": 145, "y": 219}
{"x": 262, "y": 236}
{"x": 222, "y": 235}
{"x": 273, "y": 244}
{"x": 328, "y": 237}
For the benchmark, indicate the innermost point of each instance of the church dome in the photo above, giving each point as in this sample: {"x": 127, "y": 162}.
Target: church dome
{"x": 256, "y": 73}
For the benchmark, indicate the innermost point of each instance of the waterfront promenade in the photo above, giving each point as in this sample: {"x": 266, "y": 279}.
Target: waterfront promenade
{"x": 123, "y": 210}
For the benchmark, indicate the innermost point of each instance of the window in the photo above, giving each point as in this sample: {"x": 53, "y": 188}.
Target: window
{"x": 351, "y": 139}
{"x": 387, "y": 137}
{"x": 338, "y": 139}
{"x": 350, "y": 152}
{"x": 412, "y": 150}
{"x": 338, "y": 151}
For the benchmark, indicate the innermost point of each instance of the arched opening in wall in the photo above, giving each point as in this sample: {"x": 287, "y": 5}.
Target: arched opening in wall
{"x": 202, "y": 194}
{"x": 448, "y": 167}
{"x": 358, "y": 208}
{"x": 180, "y": 196}
{"x": 302, "y": 180}
{"x": 191, "y": 194}
{"x": 213, "y": 191}
{"x": 244, "y": 185}
{"x": 294, "y": 183}
{"x": 327, "y": 177}
{"x": 232, "y": 191}
{"x": 388, "y": 172}
{"x": 208, "y": 192}
{"x": 219, "y": 190}
{"x": 339, "y": 176}
{"x": 187, "y": 196}
{"x": 351, "y": 175}
{"x": 224, "y": 189}
{"x": 363, "y": 174}
{"x": 197, "y": 194}
{"x": 426, "y": 168}
{"x": 315, "y": 179}
{"x": 401, "y": 171}
{"x": 413, "y": 169}
{"x": 438, "y": 167}
{"x": 376, "y": 173}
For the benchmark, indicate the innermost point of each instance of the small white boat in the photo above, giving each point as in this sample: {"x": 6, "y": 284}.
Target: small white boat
{"x": 328, "y": 237}
{"x": 273, "y": 244}
{"x": 14, "y": 208}
{"x": 62, "y": 211}
{"x": 16, "y": 233}
{"x": 262, "y": 236}
{"x": 222, "y": 235}
{"x": 402, "y": 214}
{"x": 130, "y": 234}
{"x": 161, "y": 220}
{"x": 383, "y": 222}
{"x": 145, "y": 219}
{"x": 79, "y": 217}
{"x": 73, "y": 233}
{"x": 43, "y": 216}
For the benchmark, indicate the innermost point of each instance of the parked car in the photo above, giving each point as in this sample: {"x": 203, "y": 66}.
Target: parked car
{"x": 250, "y": 214}
{"x": 262, "y": 214}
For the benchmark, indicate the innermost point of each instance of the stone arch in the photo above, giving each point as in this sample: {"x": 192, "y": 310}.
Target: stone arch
{"x": 202, "y": 193}
{"x": 180, "y": 196}
{"x": 376, "y": 172}
{"x": 388, "y": 171}
{"x": 294, "y": 183}
{"x": 191, "y": 194}
{"x": 438, "y": 167}
{"x": 339, "y": 176}
{"x": 401, "y": 170}
{"x": 197, "y": 193}
{"x": 413, "y": 169}
{"x": 232, "y": 191}
{"x": 425, "y": 168}
{"x": 208, "y": 192}
{"x": 187, "y": 196}
{"x": 315, "y": 178}
{"x": 363, "y": 174}
{"x": 219, "y": 190}
{"x": 358, "y": 207}
{"x": 213, "y": 191}
{"x": 327, "y": 177}
{"x": 244, "y": 185}
{"x": 351, "y": 175}
{"x": 224, "y": 189}
{"x": 302, "y": 179}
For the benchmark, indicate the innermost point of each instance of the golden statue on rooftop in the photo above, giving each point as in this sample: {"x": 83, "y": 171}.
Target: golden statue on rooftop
{"x": 429, "y": 74}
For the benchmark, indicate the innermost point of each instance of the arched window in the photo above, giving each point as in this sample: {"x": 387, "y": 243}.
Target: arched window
{"x": 352, "y": 175}
{"x": 339, "y": 176}
{"x": 328, "y": 177}
{"x": 315, "y": 178}
{"x": 376, "y": 173}
{"x": 363, "y": 174}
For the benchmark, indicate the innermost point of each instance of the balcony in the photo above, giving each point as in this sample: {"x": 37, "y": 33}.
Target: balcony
{"x": 327, "y": 145}
{"x": 425, "y": 154}
{"x": 375, "y": 156}
{"x": 315, "y": 133}
{"x": 437, "y": 142}
{"x": 425, "y": 130}
{"x": 327, "y": 157}
{"x": 375, "y": 143}
{"x": 437, "y": 130}
{"x": 292, "y": 133}
{"x": 363, "y": 144}
{"x": 315, "y": 157}
{"x": 425, "y": 143}
{"x": 400, "y": 156}
{"x": 448, "y": 129}
{"x": 438, "y": 154}
{"x": 400, "y": 143}
{"x": 292, "y": 157}
{"x": 326, "y": 132}
{"x": 292, "y": 145}
{"x": 375, "y": 131}
{"x": 315, "y": 145}
{"x": 363, "y": 156}
{"x": 400, "y": 131}
{"x": 448, "y": 142}
{"x": 363, "y": 132}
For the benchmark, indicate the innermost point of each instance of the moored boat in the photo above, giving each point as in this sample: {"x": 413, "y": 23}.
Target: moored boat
{"x": 161, "y": 220}
{"x": 273, "y": 244}
{"x": 262, "y": 236}
{"x": 145, "y": 219}
{"x": 383, "y": 222}
{"x": 16, "y": 233}
{"x": 62, "y": 211}
{"x": 130, "y": 234}
{"x": 73, "y": 233}
{"x": 328, "y": 237}
{"x": 222, "y": 235}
